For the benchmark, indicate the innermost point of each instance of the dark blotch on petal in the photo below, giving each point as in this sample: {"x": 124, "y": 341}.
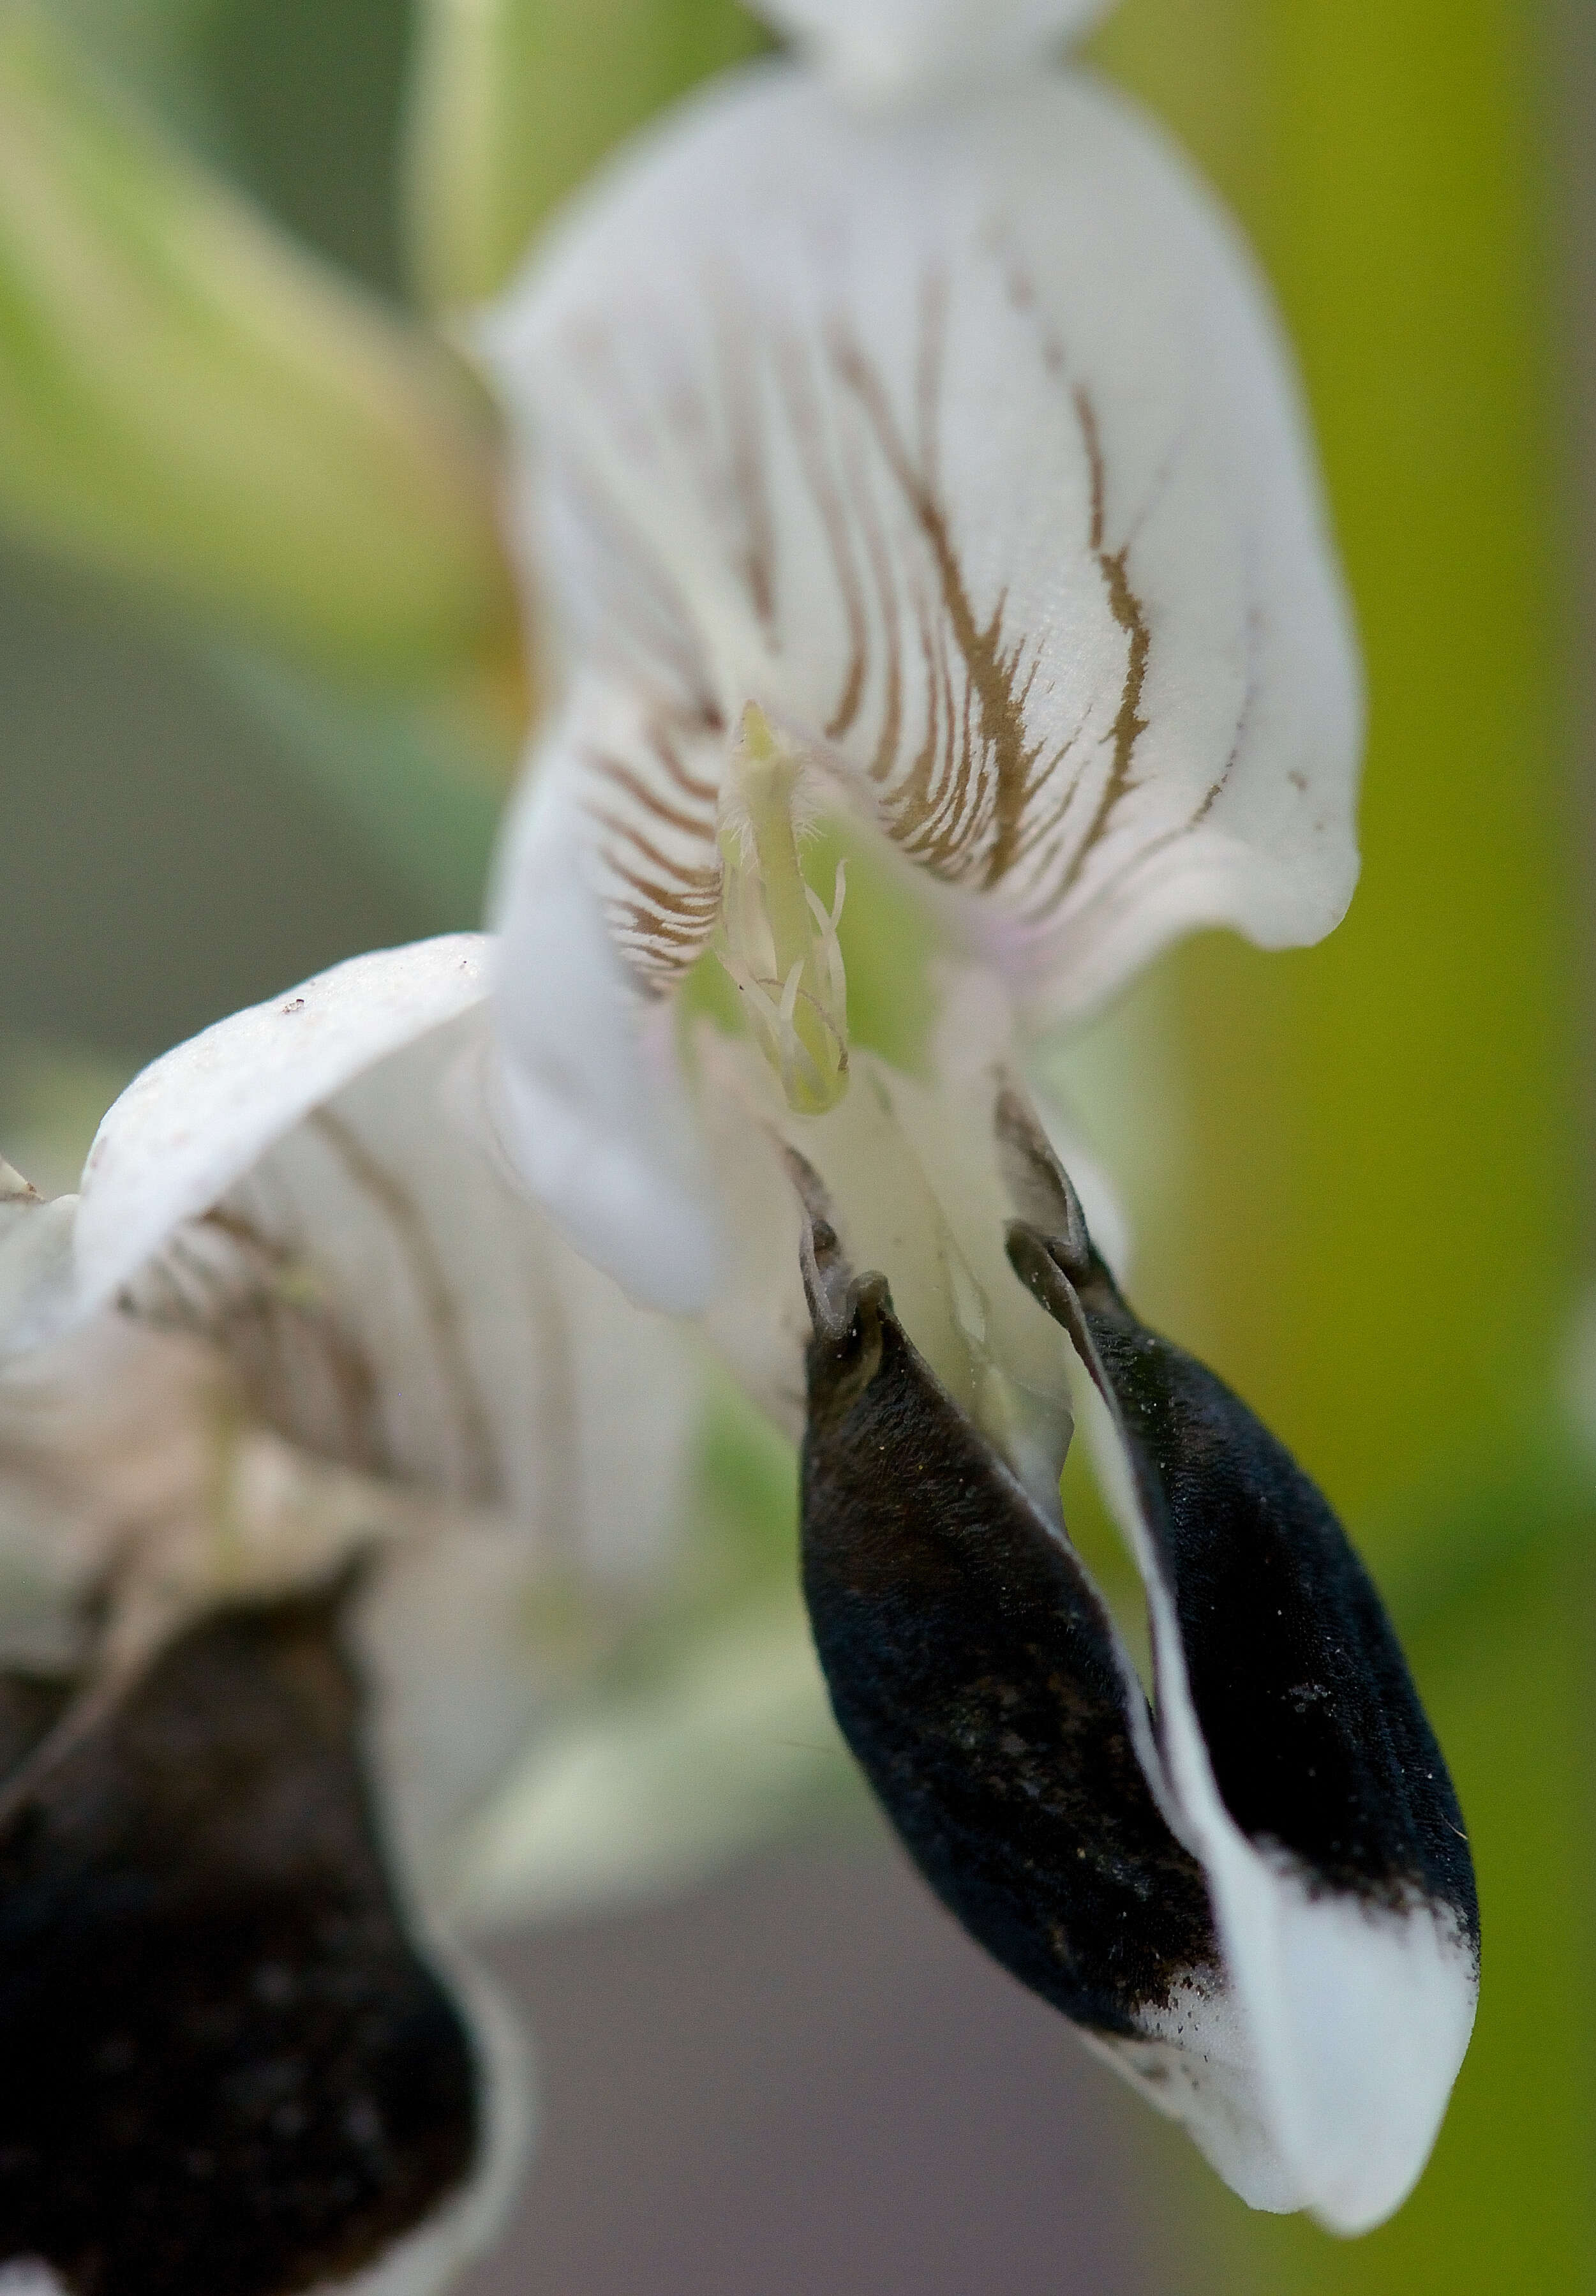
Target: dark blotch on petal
{"x": 972, "y": 1673}
{"x": 30, "y": 1707}
{"x": 1317, "y": 1738}
{"x": 224, "y": 2070}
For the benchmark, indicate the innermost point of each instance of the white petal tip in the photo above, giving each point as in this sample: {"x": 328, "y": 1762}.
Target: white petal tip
{"x": 1318, "y": 2079}
{"x": 1378, "y": 2009}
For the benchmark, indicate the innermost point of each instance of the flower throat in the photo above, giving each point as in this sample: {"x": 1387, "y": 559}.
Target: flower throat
{"x": 777, "y": 939}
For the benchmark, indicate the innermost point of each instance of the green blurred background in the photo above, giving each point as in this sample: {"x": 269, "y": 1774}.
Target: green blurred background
{"x": 1359, "y": 1172}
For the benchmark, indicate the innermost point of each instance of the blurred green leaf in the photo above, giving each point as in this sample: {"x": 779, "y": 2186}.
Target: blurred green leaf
{"x": 1387, "y": 1223}
{"x": 513, "y": 101}
{"x": 419, "y": 785}
{"x": 189, "y": 404}
{"x": 154, "y": 47}
{"x": 1385, "y": 1203}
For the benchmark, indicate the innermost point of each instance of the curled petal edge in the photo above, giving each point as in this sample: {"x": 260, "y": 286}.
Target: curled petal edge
{"x": 192, "y": 1123}
{"x": 594, "y": 1109}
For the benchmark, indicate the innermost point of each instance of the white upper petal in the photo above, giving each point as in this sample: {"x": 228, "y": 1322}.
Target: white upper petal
{"x": 963, "y": 442}
{"x": 879, "y": 48}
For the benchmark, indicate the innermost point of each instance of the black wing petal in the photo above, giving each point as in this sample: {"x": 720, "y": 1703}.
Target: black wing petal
{"x": 1317, "y": 1739}
{"x": 973, "y": 1673}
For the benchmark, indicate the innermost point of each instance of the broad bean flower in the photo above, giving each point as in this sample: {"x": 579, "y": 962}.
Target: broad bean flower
{"x": 935, "y": 468}
{"x": 325, "y": 1469}
{"x": 908, "y": 448}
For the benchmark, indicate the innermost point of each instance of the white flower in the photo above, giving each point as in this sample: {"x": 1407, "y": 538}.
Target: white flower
{"x": 937, "y": 472}
{"x": 907, "y": 447}
{"x": 325, "y": 1468}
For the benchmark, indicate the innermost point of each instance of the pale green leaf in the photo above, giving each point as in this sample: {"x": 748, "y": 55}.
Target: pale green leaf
{"x": 190, "y": 404}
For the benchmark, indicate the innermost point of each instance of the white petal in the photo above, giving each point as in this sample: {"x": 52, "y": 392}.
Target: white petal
{"x": 295, "y": 1187}
{"x": 36, "y": 1270}
{"x": 974, "y": 1043}
{"x": 373, "y": 1284}
{"x": 196, "y": 1119}
{"x": 653, "y": 1790}
{"x": 963, "y": 443}
{"x": 391, "y": 1297}
{"x": 879, "y": 48}
{"x": 597, "y": 1118}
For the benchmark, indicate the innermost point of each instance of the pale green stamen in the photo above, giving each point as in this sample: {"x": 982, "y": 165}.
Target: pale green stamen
{"x": 778, "y": 939}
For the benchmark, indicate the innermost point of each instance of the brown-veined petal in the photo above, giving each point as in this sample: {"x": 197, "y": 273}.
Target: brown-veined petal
{"x": 334, "y": 1285}
{"x": 325, "y": 1468}
{"x": 962, "y": 441}
{"x": 293, "y": 1185}
{"x": 593, "y": 1103}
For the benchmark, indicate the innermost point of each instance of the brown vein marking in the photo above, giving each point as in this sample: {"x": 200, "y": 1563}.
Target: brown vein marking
{"x": 660, "y": 744}
{"x": 484, "y": 1479}
{"x": 644, "y": 925}
{"x": 663, "y": 928}
{"x": 991, "y": 669}
{"x": 627, "y": 778}
{"x": 244, "y": 1309}
{"x": 879, "y": 558}
{"x": 803, "y": 413}
{"x": 680, "y": 931}
{"x": 1046, "y": 824}
{"x": 909, "y": 805}
{"x": 684, "y": 880}
{"x": 1131, "y": 615}
{"x": 666, "y": 925}
{"x": 739, "y": 386}
{"x": 1243, "y": 721}
{"x": 692, "y": 887}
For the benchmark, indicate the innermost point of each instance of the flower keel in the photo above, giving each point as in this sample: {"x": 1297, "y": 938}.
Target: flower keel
{"x": 1255, "y": 1899}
